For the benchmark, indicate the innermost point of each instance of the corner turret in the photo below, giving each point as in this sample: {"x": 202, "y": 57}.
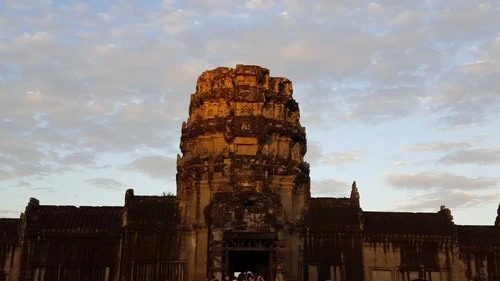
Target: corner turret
{"x": 446, "y": 212}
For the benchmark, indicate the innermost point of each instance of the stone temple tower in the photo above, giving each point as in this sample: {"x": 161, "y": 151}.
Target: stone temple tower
{"x": 242, "y": 183}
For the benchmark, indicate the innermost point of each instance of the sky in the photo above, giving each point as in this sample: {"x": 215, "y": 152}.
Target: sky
{"x": 401, "y": 96}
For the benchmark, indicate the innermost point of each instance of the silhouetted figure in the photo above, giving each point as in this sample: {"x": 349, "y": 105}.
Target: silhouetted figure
{"x": 241, "y": 277}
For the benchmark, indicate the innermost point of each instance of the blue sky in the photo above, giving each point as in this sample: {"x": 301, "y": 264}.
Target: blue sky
{"x": 401, "y": 96}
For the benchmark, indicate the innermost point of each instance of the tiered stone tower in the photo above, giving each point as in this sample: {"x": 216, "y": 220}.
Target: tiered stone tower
{"x": 242, "y": 167}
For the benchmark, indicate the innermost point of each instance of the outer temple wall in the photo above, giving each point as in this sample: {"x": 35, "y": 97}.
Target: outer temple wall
{"x": 9, "y": 262}
{"x": 383, "y": 262}
{"x": 379, "y": 261}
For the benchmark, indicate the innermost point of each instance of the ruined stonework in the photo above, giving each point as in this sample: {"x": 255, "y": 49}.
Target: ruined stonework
{"x": 243, "y": 203}
{"x": 241, "y": 175}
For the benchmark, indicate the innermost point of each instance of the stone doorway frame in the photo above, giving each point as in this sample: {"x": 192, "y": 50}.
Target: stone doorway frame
{"x": 247, "y": 241}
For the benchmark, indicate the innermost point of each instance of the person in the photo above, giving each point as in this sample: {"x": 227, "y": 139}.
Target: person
{"x": 241, "y": 277}
{"x": 250, "y": 276}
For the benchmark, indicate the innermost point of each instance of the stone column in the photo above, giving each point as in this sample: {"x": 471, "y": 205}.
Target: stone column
{"x": 280, "y": 253}
{"x": 216, "y": 254}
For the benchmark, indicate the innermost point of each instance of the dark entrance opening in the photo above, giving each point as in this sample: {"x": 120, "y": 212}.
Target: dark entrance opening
{"x": 255, "y": 261}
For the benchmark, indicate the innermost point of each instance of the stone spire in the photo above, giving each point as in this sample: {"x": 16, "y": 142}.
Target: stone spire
{"x": 354, "y": 194}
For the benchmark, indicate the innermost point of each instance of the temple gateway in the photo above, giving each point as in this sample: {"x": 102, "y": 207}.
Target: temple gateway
{"x": 243, "y": 203}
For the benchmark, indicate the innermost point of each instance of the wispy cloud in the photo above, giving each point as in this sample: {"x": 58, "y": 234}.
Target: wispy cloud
{"x": 452, "y": 199}
{"x": 439, "y": 180}
{"x": 479, "y": 156}
{"x": 156, "y": 166}
{"x": 260, "y": 4}
{"x": 329, "y": 187}
{"x": 437, "y": 146}
{"x": 339, "y": 158}
{"x": 106, "y": 183}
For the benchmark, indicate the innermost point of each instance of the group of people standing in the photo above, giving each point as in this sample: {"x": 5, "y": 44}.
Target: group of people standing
{"x": 242, "y": 276}
{"x": 247, "y": 276}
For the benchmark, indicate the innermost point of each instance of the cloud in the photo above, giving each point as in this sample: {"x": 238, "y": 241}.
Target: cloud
{"x": 15, "y": 170}
{"x": 259, "y": 4}
{"x": 79, "y": 82}
{"x": 156, "y": 166}
{"x": 43, "y": 189}
{"x": 480, "y": 16}
{"x": 7, "y": 213}
{"x": 330, "y": 187}
{"x": 450, "y": 198}
{"x": 316, "y": 156}
{"x": 462, "y": 102}
{"x": 437, "y": 146}
{"x": 380, "y": 106}
{"x": 435, "y": 180}
{"x": 479, "y": 156}
{"x": 79, "y": 158}
{"x": 23, "y": 184}
{"x": 399, "y": 163}
{"x": 314, "y": 152}
{"x": 339, "y": 158}
{"x": 106, "y": 183}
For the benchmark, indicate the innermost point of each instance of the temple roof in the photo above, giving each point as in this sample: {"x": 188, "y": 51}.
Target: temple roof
{"x": 401, "y": 223}
{"x": 71, "y": 219}
{"x": 479, "y": 236}
{"x": 9, "y": 231}
{"x": 157, "y": 211}
{"x": 333, "y": 213}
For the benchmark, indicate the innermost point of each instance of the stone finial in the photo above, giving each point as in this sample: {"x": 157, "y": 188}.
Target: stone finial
{"x": 354, "y": 194}
{"x": 445, "y": 212}
{"x": 497, "y": 221}
{"x": 32, "y": 204}
{"x": 129, "y": 194}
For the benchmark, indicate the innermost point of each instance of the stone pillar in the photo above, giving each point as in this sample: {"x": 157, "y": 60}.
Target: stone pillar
{"x": 198, "y": 262}
{"x": 280, "y": 254}
{"x": 216, "y": 254}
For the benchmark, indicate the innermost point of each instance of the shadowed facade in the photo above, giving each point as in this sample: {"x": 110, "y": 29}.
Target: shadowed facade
{"x": 243, "y": 203}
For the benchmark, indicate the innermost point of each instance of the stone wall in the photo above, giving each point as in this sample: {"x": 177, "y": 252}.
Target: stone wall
{"x": 9, "y": 249}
